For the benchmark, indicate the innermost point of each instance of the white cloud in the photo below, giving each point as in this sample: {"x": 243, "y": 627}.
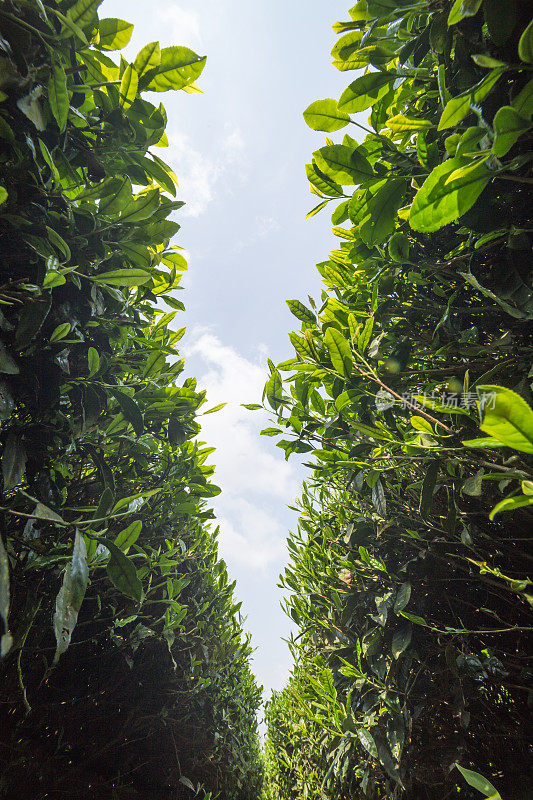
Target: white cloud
{"x": 265, "y": 225}
{"x": 183, "y": 24}
{"x": 252, "y": 537}
{"x": 233, "y": 143}
{"x": 197, "y": 173}
{"x": 262, "y": 227}
{"x": 256, "y": 483}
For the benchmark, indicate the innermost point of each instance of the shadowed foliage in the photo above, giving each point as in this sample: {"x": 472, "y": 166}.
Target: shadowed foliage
{"x": 409, "y": 389}
{"x": 125, "y": 668}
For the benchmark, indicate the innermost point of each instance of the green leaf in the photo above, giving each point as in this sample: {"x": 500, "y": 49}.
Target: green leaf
{"x": 339, "y": 351}
{"x": 380, "y": 221}
{"x": 462, "y": 9}
{"x": 7, "y": 363}
{"x": 43, "y": 512}
{"x": 122, "y": 572}
{"x": 458, "y": 107}
{"x": 176, "y": 431}
{"x": 507, "y": 417}
{"x": 378, "y": 499}
{"x": 510, "y": 504}
{"x": 316, "y": 209}
{"x": 214, "y": 409}
{"x": 483, "y": 60}
{"x": 416, "y": 619}
{"x": 94, "y": 361}
{"x": 130, "y": 409}
{"x": 399, "y": 247}
{"x": 155, "y": 363}
{"x": 3, "y": 195}
{"x": 53, "y": 279}
{"x": 179, "y": 67}
{"x": 128, "y": 86}
{"x": 49, "y": 160}
{"x": 364, "y": 337}
{"x": 301, "y": 312}
{"x": 175, "y": 260}
{"x": 473, "y": 485}
{"x": 270, "y": 431}
{"x": 401, "y": 639}
{"x": 402, "y": 597}
{"x": 140, "y": 207}
{"x": 126, "y": 501}
{"x": 517, "y": 313}
{"x": 523, "y": 102}
{"x": 401, "y": 123}
{"x": 302, "y": 346}
{"x": 58, "y": 94}
{"x": 83, "y": 12}
{"x": 323, "y": 115}
{"x": 478, "y": 782}
{"x": 428, "y": 486}
{"x": 345, "y": 165}
{"x": 13, "y": 462}
{"x": 104, "y": 507}
{"x": 113, "y": 34}
{"x": 485, "y": 441}
{"x": 421, "y": 424}
{"x": 163, "y": 175}
{"x": 6, "y": 640}
{"x": 274, "y": 390}
{"x": 147, "y": 59}
{"x": 123, "y": 277}
{"x": 127, "y": 537}
{"x": 365, "y": 91}
{"x": 508, "y": 127}
{"x": 321, "y": 182}
{"x": 525, "y": 45}
{"x": 443, "y": 199}
{"x": 60, "y": 332}
{"x": 70, "y": 596}
{"x": 58, "y": 242}
{"x": 367, "y": 740}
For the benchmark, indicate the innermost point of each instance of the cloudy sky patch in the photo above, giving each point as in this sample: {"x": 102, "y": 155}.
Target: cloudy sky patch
{"x": 239, "y": 151}
{"x": 255, "y": 480}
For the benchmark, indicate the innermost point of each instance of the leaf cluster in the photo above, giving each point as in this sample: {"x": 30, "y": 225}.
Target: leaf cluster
{"x": 119, "y": 625}
{"x": 408, "y": 393}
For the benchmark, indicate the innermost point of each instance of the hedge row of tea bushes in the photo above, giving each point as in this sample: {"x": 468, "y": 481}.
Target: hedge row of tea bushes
{"x": 124, "y": 666}
{"x": 409, "y": 390}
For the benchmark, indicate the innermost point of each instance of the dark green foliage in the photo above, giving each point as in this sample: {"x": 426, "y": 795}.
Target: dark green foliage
{"x": 408, "y": 575}
{"x": 125, "y": 669}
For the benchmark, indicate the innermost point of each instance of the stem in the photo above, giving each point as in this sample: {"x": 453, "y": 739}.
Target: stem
{"x": 19, "y": 659}
{"x": 419, "y": 411}
{"x": 457, "y": 368}
{"x": 366, "y": 130}
{"x": 514, "y": 179}
{"x": 23, "y": 24}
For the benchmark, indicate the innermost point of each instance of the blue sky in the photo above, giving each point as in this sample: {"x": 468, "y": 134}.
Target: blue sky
{"x": 239, "y": 151}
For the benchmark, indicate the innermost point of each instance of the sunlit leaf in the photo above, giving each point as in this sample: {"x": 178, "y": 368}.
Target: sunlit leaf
{"x": 114, "y": 34}
{"x": 178, "y": 67}
{"x": 323, "y": 115}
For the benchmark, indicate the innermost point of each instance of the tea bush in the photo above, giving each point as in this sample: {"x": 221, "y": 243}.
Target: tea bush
{"x": 409, "y": 391}
{"x": 125, "y": 668}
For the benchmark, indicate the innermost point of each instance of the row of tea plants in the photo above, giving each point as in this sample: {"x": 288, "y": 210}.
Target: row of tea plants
{"x": 125, "y": 670}
{"x": 408, "y": 393}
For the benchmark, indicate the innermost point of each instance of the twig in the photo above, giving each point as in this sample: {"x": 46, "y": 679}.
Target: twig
{"x": 404, "y": 400}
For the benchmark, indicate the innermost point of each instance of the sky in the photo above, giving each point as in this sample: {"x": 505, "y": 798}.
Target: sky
{"x": 239, "y": 151}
